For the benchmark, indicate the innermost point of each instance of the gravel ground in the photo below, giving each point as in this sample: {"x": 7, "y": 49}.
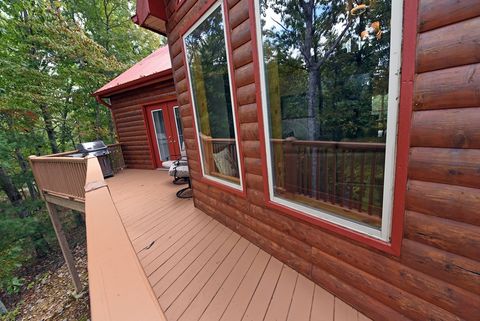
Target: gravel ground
{"x": 51, "y": 295}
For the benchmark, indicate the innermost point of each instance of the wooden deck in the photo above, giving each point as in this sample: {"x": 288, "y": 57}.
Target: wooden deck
{"x": 201, "y": 270}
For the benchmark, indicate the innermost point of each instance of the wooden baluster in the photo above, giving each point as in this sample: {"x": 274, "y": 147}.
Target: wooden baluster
{"x": 352, "y": 178}
{"x": 308, "y": 171}
{"x": 300, "y": 169}
{"x": 325, "y": 173}
{"x": 372, "y": 182}
{"x": 343, "y": 170}
{"x": 208, "y": 154}
{"x": 291, "y": 166}
{"x": 319, "y": 172}
{"x": 334, "y": 180}
{"x": 362, "y": 187}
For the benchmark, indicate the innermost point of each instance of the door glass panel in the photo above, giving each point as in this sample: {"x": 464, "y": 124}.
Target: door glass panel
{"x": 178, "y": 123}
{"x": 161, "y": 134}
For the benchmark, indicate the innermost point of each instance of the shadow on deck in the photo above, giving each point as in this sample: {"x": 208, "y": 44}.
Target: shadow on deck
{"x": 201, "y": 270}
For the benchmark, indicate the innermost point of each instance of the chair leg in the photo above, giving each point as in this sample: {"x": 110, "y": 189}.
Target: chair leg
{"x": 183, "y": 193}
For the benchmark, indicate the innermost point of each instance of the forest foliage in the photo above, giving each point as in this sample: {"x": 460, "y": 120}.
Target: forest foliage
{"x": 53, "y": 55}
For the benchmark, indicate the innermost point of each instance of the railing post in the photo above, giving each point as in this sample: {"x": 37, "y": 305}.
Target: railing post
{"x": 67, "y": 254}
{"x": 35, "y": 175}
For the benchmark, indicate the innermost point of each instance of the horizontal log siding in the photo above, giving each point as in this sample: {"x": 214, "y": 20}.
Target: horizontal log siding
{"x": 127, "y": 110}
{"x": 437, "y": 276}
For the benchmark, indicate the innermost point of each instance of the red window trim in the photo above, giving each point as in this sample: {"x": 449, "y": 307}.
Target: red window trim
{"x": 409, "y": 35}
{"x": 203, "y": 179}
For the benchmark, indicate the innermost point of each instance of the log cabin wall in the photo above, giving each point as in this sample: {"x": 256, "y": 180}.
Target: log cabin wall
{"x": 437, "y": 275}
{"x": 130, "y": 122}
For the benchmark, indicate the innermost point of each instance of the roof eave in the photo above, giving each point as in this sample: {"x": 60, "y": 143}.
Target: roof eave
{"x": 134, "y": 84}
{"x": 151, "y": 15}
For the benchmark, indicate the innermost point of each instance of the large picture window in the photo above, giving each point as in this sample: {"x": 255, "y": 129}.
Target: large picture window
{"x": 330, "y": 85}
{"x": 208, "y": 71}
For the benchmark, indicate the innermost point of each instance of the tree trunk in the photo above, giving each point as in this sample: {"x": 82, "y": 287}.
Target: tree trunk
{"x": 97, "y": 122}
{"x": 52, "y": 137}
{"x": 320, "y": 103}
{"x": 312, "y": 104}
{"x": 9, "y": 188}
{"x": 24, "y": 167}
{"x": 3, "y": 309}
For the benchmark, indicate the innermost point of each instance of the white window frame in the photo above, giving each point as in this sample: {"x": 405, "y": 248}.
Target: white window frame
{"x": 384, "y": 233}
{"x": 190, "y": 30}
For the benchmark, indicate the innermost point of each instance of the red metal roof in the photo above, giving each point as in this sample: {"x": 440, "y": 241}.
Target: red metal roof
{"x": 155, "y": 64}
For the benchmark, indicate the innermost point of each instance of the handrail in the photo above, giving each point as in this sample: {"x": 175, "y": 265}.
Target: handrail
{"x": 332, "y": 144}
{"x": 118, "y": 287}
{"x": 217, "y": 140}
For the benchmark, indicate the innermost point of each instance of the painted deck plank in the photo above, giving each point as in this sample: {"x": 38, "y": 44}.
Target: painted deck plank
{"x": 301, "y": 305}
{"x": 183, "y": 301}
{"x": 171, "y": 226}
{"x": 168, "y": 239}
{"x": 189, "y": 239}
{"x": 344, "y": 312}
{"x": 199, "y": 266}
{"x": 208, "y": 292}
{"x": 257, "y": 308}
{"x": 201, "y": 270}
{"x": 172, "y": 271}
{"x": 322, "y": 306}
{"x": 193, "y": 262}
{"x": 282, "y": 297}
{"x": 238, "y": 305}
{"x": 219, "y": 303}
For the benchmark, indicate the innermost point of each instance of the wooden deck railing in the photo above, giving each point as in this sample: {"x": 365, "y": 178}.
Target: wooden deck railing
{"x": 118, "y": 287}
{"x": 347, "y": 174}
{"x": 60, "y": 176}
{"x": 116, "y": 156}
{"x": 63, "y": 176}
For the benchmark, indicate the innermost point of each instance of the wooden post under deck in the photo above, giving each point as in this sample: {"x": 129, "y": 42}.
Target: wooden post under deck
{"x": 67, "y": 254}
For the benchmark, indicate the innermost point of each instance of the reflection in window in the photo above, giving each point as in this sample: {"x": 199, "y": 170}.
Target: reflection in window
{"x": 326, "y": 79}
{"x": 210, "y": 86}
{"x": 161, "y": 134}
{"x": 178, "y": 123}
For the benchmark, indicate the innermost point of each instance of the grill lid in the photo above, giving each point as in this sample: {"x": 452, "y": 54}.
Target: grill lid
{"x": 90, "y": 147}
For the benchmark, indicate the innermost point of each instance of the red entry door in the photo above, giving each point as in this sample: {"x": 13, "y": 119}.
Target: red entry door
{"x": 163, "y": 132}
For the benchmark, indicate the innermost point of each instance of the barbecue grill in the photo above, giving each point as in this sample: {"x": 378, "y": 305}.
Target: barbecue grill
{"x": 99, "y": 150}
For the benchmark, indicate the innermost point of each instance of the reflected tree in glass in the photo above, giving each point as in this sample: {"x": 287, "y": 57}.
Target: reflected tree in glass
{"x": 327, "y": 70}
{"x": 209, "y": 78}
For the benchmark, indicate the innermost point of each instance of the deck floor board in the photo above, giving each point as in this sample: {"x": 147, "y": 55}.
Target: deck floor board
{"x": 202, "y": 270}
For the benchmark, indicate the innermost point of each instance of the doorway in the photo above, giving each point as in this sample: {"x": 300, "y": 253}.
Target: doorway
{"x": 166, "y": 132}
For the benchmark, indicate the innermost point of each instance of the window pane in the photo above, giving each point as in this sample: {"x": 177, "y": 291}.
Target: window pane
{"x": 209, "y": 79}
{"x": 327, "y": 100}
